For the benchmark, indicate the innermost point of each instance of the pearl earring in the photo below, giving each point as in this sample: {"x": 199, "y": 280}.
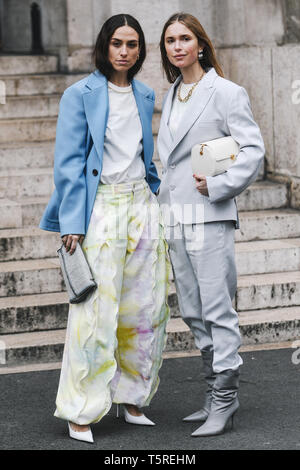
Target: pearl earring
{"x": 200, "y": 55}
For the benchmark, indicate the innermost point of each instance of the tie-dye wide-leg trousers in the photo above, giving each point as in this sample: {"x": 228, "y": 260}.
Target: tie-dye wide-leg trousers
{"x": 115, "y": 338}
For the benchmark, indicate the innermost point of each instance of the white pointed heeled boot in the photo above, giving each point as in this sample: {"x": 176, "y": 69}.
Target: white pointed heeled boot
{"x": 86, "y": 436}
{"x": 143, "y": 420}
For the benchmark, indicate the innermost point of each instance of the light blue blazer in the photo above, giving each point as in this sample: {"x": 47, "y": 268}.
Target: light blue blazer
{"x": 81, "y": 127}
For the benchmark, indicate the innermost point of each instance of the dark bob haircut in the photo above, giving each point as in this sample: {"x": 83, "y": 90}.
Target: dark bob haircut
{"x": 100, "y": 52}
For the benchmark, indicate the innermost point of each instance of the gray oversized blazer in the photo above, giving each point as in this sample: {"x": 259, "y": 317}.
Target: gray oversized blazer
{"x": 220, "y": 108}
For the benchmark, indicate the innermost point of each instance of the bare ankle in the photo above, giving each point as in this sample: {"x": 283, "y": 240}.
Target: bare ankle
{"x": 79, "y": 427}
{"x": 133, "y": 410}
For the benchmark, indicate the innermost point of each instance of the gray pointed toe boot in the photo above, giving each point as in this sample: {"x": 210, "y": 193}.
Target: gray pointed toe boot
{"x": 201, "y": 415}
{"x": 223, "y": 406}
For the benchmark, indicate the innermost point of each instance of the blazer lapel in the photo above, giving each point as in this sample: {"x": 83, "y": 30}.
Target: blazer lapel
{"x": 202, "y": 95}
{"x": 145, "y": 109}
{"x": 164, "y": 138}
{"x": 167, "y": 110}
{"x": 96, "y": 106}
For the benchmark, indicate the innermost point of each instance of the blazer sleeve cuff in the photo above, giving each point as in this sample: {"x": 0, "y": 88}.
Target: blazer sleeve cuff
{"x": 212, "y": 188}
{"x": 71, "y": 230}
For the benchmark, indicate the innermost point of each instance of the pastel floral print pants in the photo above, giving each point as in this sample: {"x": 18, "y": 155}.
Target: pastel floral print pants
{"x": 115, "y": 338}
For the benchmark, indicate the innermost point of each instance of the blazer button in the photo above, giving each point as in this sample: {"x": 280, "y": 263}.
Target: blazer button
{"x": 172, "y": 187}
{"x": 95, "y": 172}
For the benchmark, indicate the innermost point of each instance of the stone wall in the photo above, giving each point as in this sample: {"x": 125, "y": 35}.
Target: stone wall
{"x": 235, "y": 23}
{"x": 252, "y": 39}
{"x": 257, "y": 44}
{"x": 292, "y": 20}
{"x": 1, "y": 16}
{"x": 16, "y": 27}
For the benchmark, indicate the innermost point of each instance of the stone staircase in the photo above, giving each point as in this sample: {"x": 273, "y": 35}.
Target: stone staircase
{"x": 33, "y": 301}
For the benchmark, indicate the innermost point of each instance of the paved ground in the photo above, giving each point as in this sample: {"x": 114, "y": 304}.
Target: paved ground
{"x": 269, "y": 416}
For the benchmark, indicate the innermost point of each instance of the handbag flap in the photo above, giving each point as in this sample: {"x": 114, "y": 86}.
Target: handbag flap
{"x": 220, "y": 149}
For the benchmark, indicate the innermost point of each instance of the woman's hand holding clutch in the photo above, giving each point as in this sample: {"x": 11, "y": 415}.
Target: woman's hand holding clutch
{"x": 70, "y": 242}
{"x": 201, "y": 184}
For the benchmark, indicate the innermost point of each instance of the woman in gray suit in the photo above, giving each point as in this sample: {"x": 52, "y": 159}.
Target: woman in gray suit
{"x": 200, "y": 212}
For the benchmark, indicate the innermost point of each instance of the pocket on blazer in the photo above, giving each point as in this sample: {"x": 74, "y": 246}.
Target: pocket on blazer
{"x": 210, "y": 123}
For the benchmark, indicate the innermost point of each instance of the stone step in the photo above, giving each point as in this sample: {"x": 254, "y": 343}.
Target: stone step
{"x": 155, "y": 153}
{"x": 254, "y": 291}
{"x": 265, "y": 326}
{"x": 35, "y": 347}
{"x": 256, "y": 327}
{"x": 30, "y": 277}
{"x": 22, "y": 213}
{"x": 263, "y": 195}
{"x": 267, "y": 256}
{"x": 27, "y": 130}
{"x": 21, "y": 155}
{"x": 20, "y": 85}
{"x": 255, "y": 224}
{"x": 47, "y": 311}
{"x": 19, "y": 107}
{"x": 156, "y": 121}
{"x": 277, "y": 224}
{"x": 255, "y": 257}
{"x": 39, "y": 182}
{"x": 272, "y": 290}
{"x": 36, "y": 312}
{"x": 258, "y": 196}
{"x": 43, "y": 366}
{"x": 27, "y": 182}
{"x": 268, "y": 224}
{"x": 27, "y": 64}
{"x": 28, "y": 243}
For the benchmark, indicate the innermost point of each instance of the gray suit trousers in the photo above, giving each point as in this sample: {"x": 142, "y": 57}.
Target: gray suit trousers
{"x": 203, "y": 261}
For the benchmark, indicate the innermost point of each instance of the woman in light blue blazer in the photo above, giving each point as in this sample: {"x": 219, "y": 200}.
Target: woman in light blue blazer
{"x": 201, "y": 212}
{"x": 103, "y": 198}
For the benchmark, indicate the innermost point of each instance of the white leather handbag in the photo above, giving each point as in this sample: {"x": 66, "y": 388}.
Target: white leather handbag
{"x": 214, "y": 156}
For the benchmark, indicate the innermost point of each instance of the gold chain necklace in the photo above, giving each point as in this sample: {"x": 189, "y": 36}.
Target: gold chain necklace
{"x": 187, "y": 97}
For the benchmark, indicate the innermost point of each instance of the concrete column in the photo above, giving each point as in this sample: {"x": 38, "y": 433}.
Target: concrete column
{"x": 84, "y": 20}
{"x": 286, "y": 96}
{"x": 54, "y": 29}
{"x": 151, "y": 14}
{"x": 1, "y": 22}
{"x": 292, "y": 20}
{"x": 16, "y": 32}
{"x": 16, "y": 27}
{"x": 244, "y": 22}
{"x": 251, "y": 68}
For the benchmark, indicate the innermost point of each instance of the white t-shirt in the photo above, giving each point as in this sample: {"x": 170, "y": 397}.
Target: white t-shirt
{"x": 177, "y": 113}
{"x": 179, "y": 108}
{"x": 123, "y": 147}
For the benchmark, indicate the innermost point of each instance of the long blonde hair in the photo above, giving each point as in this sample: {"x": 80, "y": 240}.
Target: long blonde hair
{"x": 209, "y": 55}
